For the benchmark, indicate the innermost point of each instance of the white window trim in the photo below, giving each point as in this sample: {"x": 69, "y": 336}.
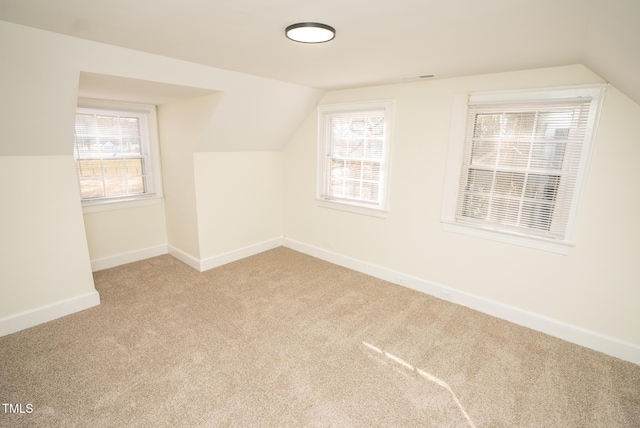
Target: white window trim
{"x": 120, "y": 203}
{"x": 352, "y": 207}
{"x": 381, "y": 210}
{"x": 454, "y": 163}
{"x": 157, "y": 196}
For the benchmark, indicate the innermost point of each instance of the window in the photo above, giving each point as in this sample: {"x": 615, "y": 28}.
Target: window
{"x": 116, "y": 152}
{"x": 517, "y": 165}
{"x": 353, "y": 156}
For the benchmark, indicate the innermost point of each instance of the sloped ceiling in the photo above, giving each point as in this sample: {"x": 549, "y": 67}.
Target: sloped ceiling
{"x": 378, "y": 41}
{"x": 102, "y": 87}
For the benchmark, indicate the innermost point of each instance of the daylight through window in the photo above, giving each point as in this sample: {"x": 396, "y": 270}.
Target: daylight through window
{"x": 523, "y": 161}
{"x": 353, "y": 154}
{"x": 112, "y": 152}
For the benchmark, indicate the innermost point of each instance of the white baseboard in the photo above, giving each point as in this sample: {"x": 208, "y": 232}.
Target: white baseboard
{"x": 607, "y": 345}
{"x": 42, "y": 314}
{"x": 202, "y": 265}
{"x": 129, "y": 257}
{"x": 593, "y": 340}
{"x": 241, "y": 253}
{"x": 184, "y": 257}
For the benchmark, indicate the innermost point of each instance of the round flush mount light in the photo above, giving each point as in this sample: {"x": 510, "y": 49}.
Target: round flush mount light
{"x": 310, "y": 32}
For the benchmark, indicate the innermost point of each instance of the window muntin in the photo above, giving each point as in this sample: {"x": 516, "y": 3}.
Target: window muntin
{"x": 353, "y": 154}
{"x": 113, "y": 152}
{"x": 516, "y": 158}
{"x": 522, "y": 164}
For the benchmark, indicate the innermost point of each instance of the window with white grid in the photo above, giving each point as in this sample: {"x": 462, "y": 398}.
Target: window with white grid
{"x": 114, "y": 149}
{"x": 353, "y": 152}
{"x": 522, "y": 164}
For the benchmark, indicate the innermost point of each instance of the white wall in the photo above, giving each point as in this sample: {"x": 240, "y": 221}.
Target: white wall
{"x": 125, "y": 231}
{"x": 594, "y": 288}
{"x": 47, "y": 201}
{"x": 182, "y": 126}
{"x": 239, "y": 197}
{"x": 43, "y": 253}
{"x": 45, "y": 270}
{"x": 39, "y": 85}
{"x": 217, "y": 203}
{"x": 613, "y": 42}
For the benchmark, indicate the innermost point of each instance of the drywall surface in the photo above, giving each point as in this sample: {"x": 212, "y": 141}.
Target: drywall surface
{"x": 43, "y": 251}
{"x": 39, "y": 85}
{"x": 595, "y": 287}
{"x": 239, "y": 199}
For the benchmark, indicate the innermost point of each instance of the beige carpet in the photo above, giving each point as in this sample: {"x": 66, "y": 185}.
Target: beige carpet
{"x": 281, "y": 339}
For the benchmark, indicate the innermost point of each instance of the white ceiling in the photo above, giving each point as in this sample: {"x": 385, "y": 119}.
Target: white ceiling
{"x": 377, "y": 41}
{"x": 113, "y": 88}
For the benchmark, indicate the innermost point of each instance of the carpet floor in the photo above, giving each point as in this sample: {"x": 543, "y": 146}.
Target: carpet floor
{"x": 282, "y": 339}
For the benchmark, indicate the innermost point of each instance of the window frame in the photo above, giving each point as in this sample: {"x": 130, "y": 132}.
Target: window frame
{"x": 324, "y": 200}
{"x": 455, "y": 164}
{"x": 150, "y": 157}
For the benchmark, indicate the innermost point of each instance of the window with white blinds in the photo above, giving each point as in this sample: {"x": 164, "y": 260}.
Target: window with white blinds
{"x": 523, "y": 161}
{"x": 113, "y": 151}
{"x": 353, "y": 151}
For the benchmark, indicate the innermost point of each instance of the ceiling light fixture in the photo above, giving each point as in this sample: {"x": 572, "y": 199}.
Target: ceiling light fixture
{"x": 310, "y": 32}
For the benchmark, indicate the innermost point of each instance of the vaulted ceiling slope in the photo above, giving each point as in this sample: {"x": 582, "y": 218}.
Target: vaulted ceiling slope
{"x": 378, "y": 41}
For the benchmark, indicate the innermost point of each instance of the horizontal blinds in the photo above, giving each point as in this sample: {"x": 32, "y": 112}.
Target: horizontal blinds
{"x": 111, "y": 153}
{"x": 354, "y": 155}
{"x": 520, "y": 164}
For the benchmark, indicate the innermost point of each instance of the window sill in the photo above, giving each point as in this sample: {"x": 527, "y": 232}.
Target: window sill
{"x": 539, "y": 243}
{"x": 353, "y": 208}
{"x": 119, "y": 204}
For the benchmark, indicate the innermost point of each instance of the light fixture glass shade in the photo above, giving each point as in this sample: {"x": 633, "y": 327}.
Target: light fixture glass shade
{"x": 310, "y": 32}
